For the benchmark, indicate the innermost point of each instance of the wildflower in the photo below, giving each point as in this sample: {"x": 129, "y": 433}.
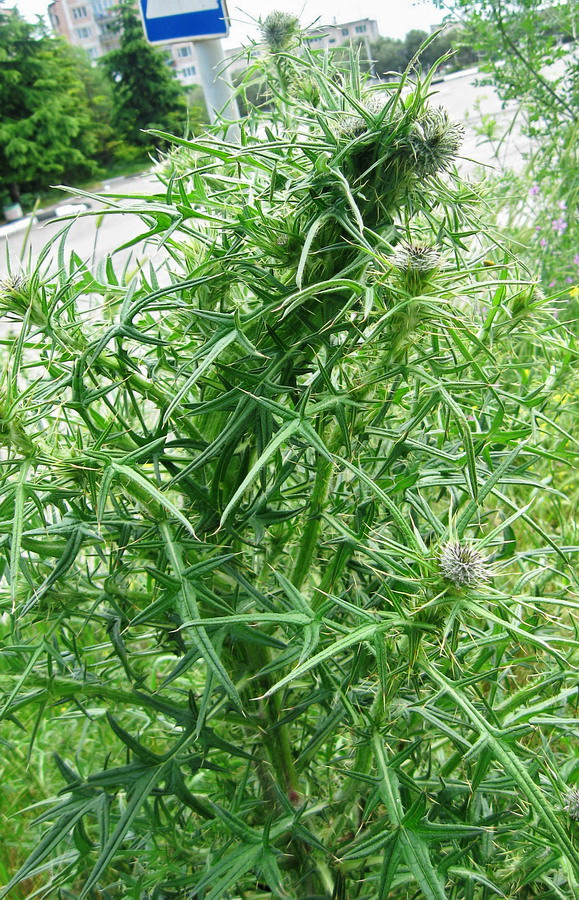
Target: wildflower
{"x": 572, "y": 804}
{"x": 534, "y": 189}
{"x": 435, "y": 141}
{"x": 278, "y": 29}
{"x": 576, "y": 259}
{"x": 562, "y": 204}
{"x": 543, "y": 242}
{"x": 416, "y": 258}
{"x": 559, "y": 225}
{"x": 463, "y": 565}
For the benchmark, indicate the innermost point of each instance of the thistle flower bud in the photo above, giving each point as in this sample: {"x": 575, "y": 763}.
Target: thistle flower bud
{"x": 13, "y": 432}
{"x": 416, "y": 258}
{"x": 307, "y": 89}
{"x": 572, "y": 804}
{"x": 463, "y": 565}
{"x": 17, "y": 298}
{"x": 13, "y": 293}
{"x": 278, "y": 29}
{"x": 353, "y": 124}
{"x": 435, "y": 141}
{"x": 528, "y": 300}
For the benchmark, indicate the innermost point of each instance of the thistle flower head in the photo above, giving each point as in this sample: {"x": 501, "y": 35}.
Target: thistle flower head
{"x": 15, "y": 283}
{"x": 572, "y": 804}
{"x": 278, "y": 29}
{"x": 435, "y": 141}
{"x": 354, "y": 123}
{"x": 416, "y": 258}
{"x": 463, "y": 565}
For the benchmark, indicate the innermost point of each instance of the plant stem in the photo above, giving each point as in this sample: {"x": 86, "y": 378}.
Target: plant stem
{"x": 309, "y": 540}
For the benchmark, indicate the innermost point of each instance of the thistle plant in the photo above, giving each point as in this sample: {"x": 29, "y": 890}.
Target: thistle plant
{"x": 248, "y": 515}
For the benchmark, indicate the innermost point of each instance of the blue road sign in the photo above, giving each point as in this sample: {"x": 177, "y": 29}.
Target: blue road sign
{"x": 183, "y": 20}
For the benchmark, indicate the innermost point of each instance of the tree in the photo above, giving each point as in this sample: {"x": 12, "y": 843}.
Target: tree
{"x": 98, "y": 95}
{"x": 46, "y": 135}
{"x": 389, "y": 56}
{"x": 146, "y": 93}
{"x": 393, "y": 55}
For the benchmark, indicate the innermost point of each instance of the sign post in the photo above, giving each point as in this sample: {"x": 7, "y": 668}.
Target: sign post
{"x": 204, "y": 22}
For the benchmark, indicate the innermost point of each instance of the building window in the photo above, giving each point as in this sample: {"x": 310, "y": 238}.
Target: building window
{"x": 79, "y": 12}
{"x": 184, "y": 51}
{"x": 92, "y": 52}
{"x": 345, "y": 32}
{"x": 55, "y": 20}
{"x": 188, "y": 71}
{"x": 83, "y": 33}
{"x": 99, "y": 7}
{"x": 332, "y": 40}
{"x": 360, "y": 29}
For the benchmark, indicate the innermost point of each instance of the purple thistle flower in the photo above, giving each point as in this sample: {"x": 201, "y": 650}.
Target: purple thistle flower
{"x": 543, "y": 242}
{"x": 534, "y": 190}
{"x": 576, "y": 259}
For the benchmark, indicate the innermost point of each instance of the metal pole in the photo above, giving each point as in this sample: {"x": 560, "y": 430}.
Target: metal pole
{"x": 218, "y": 91}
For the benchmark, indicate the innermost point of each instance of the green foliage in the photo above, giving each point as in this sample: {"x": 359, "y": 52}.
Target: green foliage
{"x": 392, "y": 55}
{"x": 46, "y": 131}
{"x": 531, "y": 57}
{"x": 538, "y": 211}
{"x": 527, "y": 51}
{"x": 286, "y": 538}
{"x": 146, "y": 93}
{"x": 251, "y": 91}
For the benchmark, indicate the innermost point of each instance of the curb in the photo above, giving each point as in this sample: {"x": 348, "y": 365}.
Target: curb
{"x": 42, "y": 215}
{"x": 18, "y": 225}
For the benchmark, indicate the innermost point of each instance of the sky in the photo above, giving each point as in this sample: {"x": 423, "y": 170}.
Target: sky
{"x": 395, "y": 17}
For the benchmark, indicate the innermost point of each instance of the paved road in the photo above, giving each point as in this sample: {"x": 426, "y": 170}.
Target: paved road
{"x": 476, "y": 107}
{"x": 91, "y": 237}
{"x": 465, "y": 102}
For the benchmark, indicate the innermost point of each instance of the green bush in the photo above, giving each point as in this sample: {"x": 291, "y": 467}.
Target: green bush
{"x": 287, "y": 548}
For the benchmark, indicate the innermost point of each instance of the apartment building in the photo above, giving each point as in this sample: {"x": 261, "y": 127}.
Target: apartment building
{"x": 320, "y": 37}
{"x": 88, "y": 24}
{"x": 327, "y": 37}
